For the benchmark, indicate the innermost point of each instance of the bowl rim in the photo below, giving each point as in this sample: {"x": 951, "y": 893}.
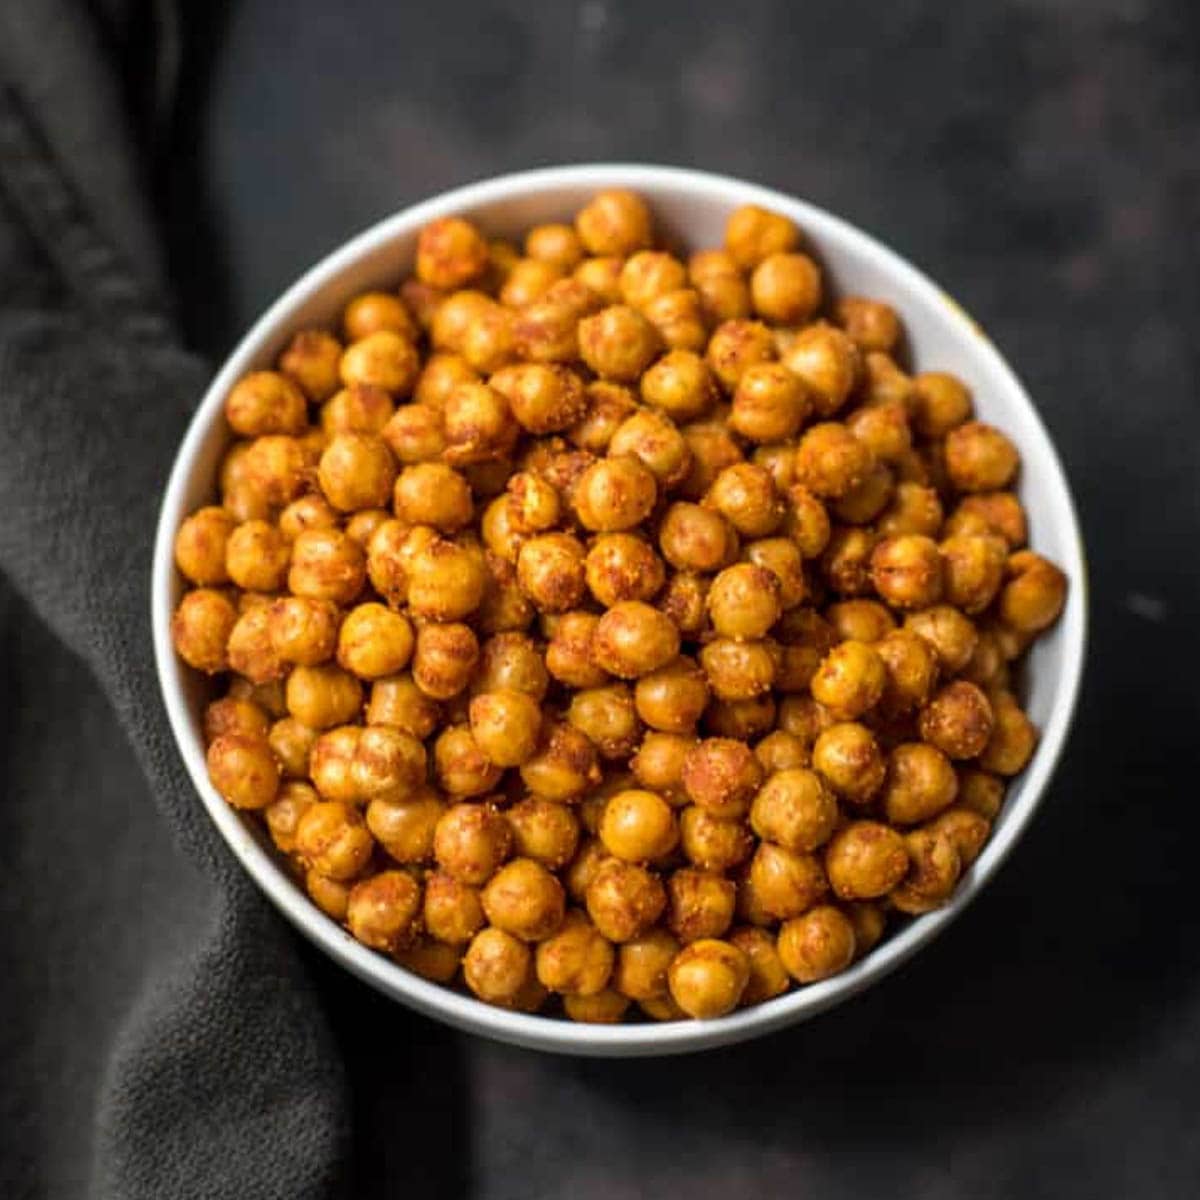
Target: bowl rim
{"x": 556, "y": 1034}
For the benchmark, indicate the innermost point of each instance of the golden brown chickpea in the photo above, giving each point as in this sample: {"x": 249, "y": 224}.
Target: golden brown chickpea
{"x": 200, "y": 546}
{"x": 266, "y": 402}
{"x": 998, "y": 513}
{"x": 781, "y": 751}
{"x": 803, "y": 718}
{"x": 723, "y": 291}
{"x": 768, "y": 977}
{"x": 638, "y": 826}
{"x": 432, "y": 960}
{"x": 524, "y": 899}
{"x": 606, "y": 1007}
{"x": 680, "y": 384}
{"x": 243, "y": 770}
{"x": 601, "y": 275}
{"x": 920, "y": 783}
{"x": 249, "y": 648}
{"x": 333, "y": 840}
{"x": 860, "y": 620}
{"x": 615, "y": 222}
{"x": 735, "y": 347}
{"x": 331, "y": 896}
{"x": 1034, "y": 595}
{"x": 478, "y": 424}
{"x": 398, "y": 701}
{"x": 268, "y": 696}
{"x": 446, "y": 581}
{"x": 935, "y": 868}
{"x": 988, "y": 666}
{"x": 780, "y": 558}
{"x": 907, "y": 571}
{"x": 831, "y": 462}
{"x": 828, "y": 363}
{"x": 743, "y": 601}
{"x": 551, "y": 571}
{"x": 382, "y": 910}
{"x": 608, "y": 405}
{"x": 695, "y": 538}
{"x": 444, "y": 657}
{"x": 795, "y": 810}
{"x": 769, "y": 403}
{"x": 201, "y": 628}
{"x": 582, "y": 868}
{"x": 331, "y": 764}
{"x": 529, "y": 280}
{"x": 722, "y": 776}
{"x": 283, "y": 814}
{"x": 433, "y": 494}
{"x": 941, "y": 403}
{"x": 884, "y": 428}
{"x": 753, "y": 234}
{"x": 684, "y": 601}
{"x": 374, "y": 641}
{"x": 385, "y": 359}
{"x": 741, "y": 719}
{"x": 914, "y": 509}
{"x": 620, "y": 567}
{"x": 870, "y": 324}
{"x": 806, "y": 522}
{"x": 608, "y": 717}
{"x": 291, "y": 742}
{"x": 544, "y": 830}
{"x": 642, "y": 963}
{"x": 371, "y": 311}
{"x": 471, "y": 841}
{"x": 357, "y": 410}
{"x": 564, "y": 766}
{"x": 967, "y": 830}
{"x": 576, "y": 961}
{"x": 405, "y": 826}
{"x": 632, "y": 639}
{"x": 415, "y": 434}
{"x": 308, "y": 512}
{"x": 505, "y": 725}
{"x": 972, "y": 570}
{"x": 816, "y": 945}
{"x": 850, "y": 680}
{"x": 958, "y": 720}
{"x": 323, "y": 696}
{"x": 544, "y": 397}
{"x": 511, "y": 662}
{"x": 869, "y": 921}
{"x": 548, "y": 329}
{"x": 462, "y": 769}
{"x": 274, "y": 470}
{"x": 786, "y": 288}
{"x": 744, "y": 494}
{"x": 708, "y": 977}
{"x": 952, "y": 635}
{"x": 615, "y": 494}
{"x": 534, "y": 504}
{"x": 849, "y": 758}
{"x": 311, "y": 361}
{"x": 740, "y": 670}
{"x": 658, "y": 764}
{"x": 452, "y": 911}
{"x": 569, "y": 654}
{"x": 450, "y": 253}
{"x": 1013, "y": 739}
{"x": 442, "y": 374}
{"x": 654, "y": 440}
{"x": 235, "y": 714}
{"x": 618, "y": 343}
{"x": 497, "y": 966}
{"x": 865, "y": 502}
{"x": 624, "y": 900}
{"x": 699, "y": 904}
{"x": 865, "y": 859}
{"x": 673, "y": 697}
{"x": 327, "y": 565}
{"x": 981, "y": 792}
{"x": 713, "y": 449}
{"x": 556, "y": 244}
{"x": 649, "y": 274}
{"x": 979, "y": 458}
{"x": 680, "y": 319}
{"x": 911, "y": 667}
{"x": 883, "y": 382}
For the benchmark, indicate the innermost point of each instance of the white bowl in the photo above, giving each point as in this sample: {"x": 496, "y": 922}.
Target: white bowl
{"x": 694, "y": 206}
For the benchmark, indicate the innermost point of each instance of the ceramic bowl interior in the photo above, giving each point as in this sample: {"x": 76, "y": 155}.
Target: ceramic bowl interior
{"x": 690, "y": 207}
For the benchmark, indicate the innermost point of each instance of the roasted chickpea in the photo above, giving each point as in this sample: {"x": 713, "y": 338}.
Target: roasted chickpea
{"x": 680, "y": 319}
{"x": 372, "y": 311}
{"x": 471, "y": 841}
{"x": 871, "y": 324}
{"x": 648, "y": 274}
{"x": 564, "y": 765}
{"x": 744, "y": 494}
{"x": 569, "y": 654}
{"x": 658, "y": 764}
{"x": 601, "y": 275}
{"x": 608, "y": 405}
{"x": 615, "y": 494}
{"x": 998, "y": 513}
{"x": 680, "y": 384}
{"x": 452, "y": 910}
{"x": 920, "y": 783}
{"x": 979, "y": 458}
{"x": 446, "y": 581}
{"x": 331, "y": 896}
{"x": 753, "y": 234}
{"x": 291, "y": 742}
{"x": 786, "y": 288}
{"x": 723, "y": 290}
{"x": 744, "y": 601}
{"x": 323, "y": 696}
{"x": 865, "y": 502}
{"x": 497, "y": 966}
{"x": 442, "y": 374}
{"x": 713, "y": 449}
{"x": 967, "y": 830}
{"x": 721, "y": 776}
{"x": 201, "y": 546}
{"x": 576, "y": 961}
{"x": 398, "y": 701}
{"x": 849, "y": 758}
{"x": 806, "y": 522}
{"x": 544, "y": 397}
{"x": 831, "y": 461}
{"x": 952, "y": 635}
{"x": 433, "y": 494}
{"x": 444, "y": 658}
{"x": 450, "y": 253}
{"x": 1034, "y": 595}
{"x": 382, "y": 910}
{"x": 556, "y": 244}
{"x": 914, "y": 509}
{"x": 274, "y": 470}
{"x": 684, "y": 601}
{"x": 1014, "y": 737}
{"x": 405, "y": 824}
{"x": 529, "y": 280}
{"x": 695, "y": 538}
{"x": 850, "y": 680}
{"x": 544, "y": 830}
{"x": 911, "y": 666}
{"x": 958, "y": 720}
{"x": 972, "y": 570}
{"x": 934, "y": 870}
{"x": 606, "y": 1007}
{"x": 548, "y": 329}
{"x": 803, "y": 718}
{"x": 461, "y": 767}
{"x": 311, "y": 361}
{"x": 782, "y": 751}
{"x": 374, "y": 641}
{"x": 505, "y": 725}
{"x": 235, "y": 714}
{"x": 624, "y": 900}
{"x": 333, "y": 840}
{"x": 551, "y": 571}
{"x": 865, "y": 859}
{"x": 780, "y": 558}
{"x": 699, "y": 904}
{"x": 385, "y": 359}
{"x": 768, "y": 976}
{"x": 249, "y": 648}
{"x": 860, "y": 620}
{"x": 828, "y": 363}
{"x": 524, "y": 899}
{"x": 621, "y": 567}
{"x": 980, "y": 792}
{"x": 309, "y": 512}
{"x": 654, "y": 440}
{"x": 327, "y": 565}
{"x": 740, "y": 670}
{"x": 741, "y": 719}
{"x": 608, "y": 717}
{"x": 283, "y": 814}
{"x": 614, "y": 222}
{"x": 673, "y": 697}
{"x": 632, "y": 639}
{"x": 365, "y": 410}
{"x": 816, "y": 945}
{"x": 582, "y": 868}
{"x": 907, "y": 571}
{"x": 266, "y": 402}
{"x": 201, "y": 629}
{"x": 618, "y": 343}
{"x": 940, "y": 403}
{"x": 478, "y": 425}
{"x": 708, "y": 977}
{"x": 735, "y": 347}
{"x": 846, "y": 562}
{"x": 416, "y": 433}
{"x": 642, "y": 963}
{"x": 243, "y": 770}
{"x": 769, "y": 403}
{"x": 884, "y": 429}
{"x": 638, "y": 826}
{"x": 795, "y": 810}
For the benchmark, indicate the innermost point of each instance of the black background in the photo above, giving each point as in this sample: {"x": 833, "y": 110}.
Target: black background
{"x": 1040, "y": 160}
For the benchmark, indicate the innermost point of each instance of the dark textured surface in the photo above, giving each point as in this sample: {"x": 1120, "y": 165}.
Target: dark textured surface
{"x": 1037, "y": 159}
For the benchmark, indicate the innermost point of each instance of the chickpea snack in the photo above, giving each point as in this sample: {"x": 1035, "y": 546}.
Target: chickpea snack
{"x": 622, "y": 629}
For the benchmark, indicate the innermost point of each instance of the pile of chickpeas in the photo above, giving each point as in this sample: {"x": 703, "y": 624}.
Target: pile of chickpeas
{"x": 612, "y": 632}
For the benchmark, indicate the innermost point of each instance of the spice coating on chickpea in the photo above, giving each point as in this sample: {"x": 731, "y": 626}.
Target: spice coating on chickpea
{"x": 957, "y": 720}
{"x": 865, "y": 859}
{"x": 632, "y": 639}
{"x": 816, "y": 945}
{"x": 708, "y": 977}
{"x": 638, "y": 826}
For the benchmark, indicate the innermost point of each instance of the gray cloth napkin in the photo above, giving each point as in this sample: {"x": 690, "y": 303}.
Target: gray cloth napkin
{"x": 222, "y": 1080}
